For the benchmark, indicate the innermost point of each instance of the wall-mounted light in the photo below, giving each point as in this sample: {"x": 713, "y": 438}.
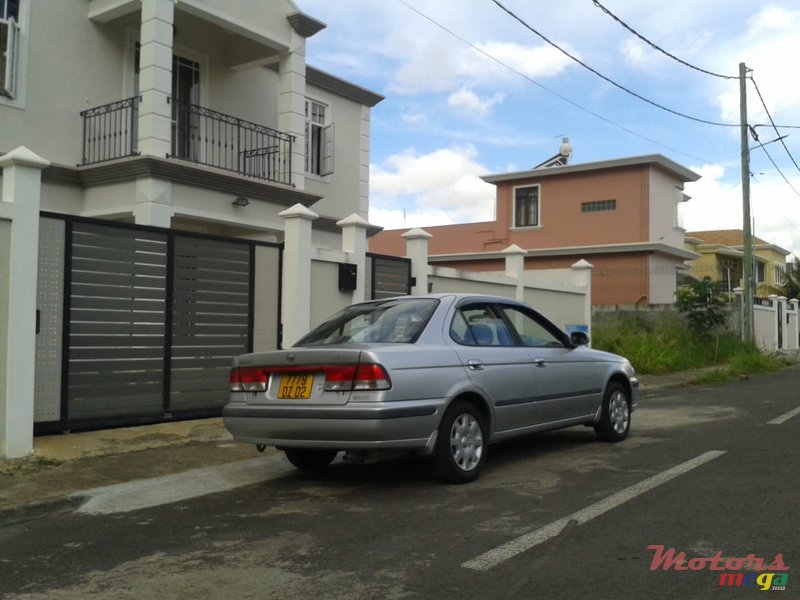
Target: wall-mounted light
{"x": 241, "y": 201}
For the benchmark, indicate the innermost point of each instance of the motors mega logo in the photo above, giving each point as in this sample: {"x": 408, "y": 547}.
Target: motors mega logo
{"x": 750, "y": 571}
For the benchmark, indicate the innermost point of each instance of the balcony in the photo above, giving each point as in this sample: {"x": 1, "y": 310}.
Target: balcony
{"x": 199, "y": 135}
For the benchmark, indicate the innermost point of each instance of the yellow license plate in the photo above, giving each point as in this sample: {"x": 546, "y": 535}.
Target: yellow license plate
{"x": 295, "y": 385}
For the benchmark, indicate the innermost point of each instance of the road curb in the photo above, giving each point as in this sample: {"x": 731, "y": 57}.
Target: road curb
{"x": 20, "y": 513}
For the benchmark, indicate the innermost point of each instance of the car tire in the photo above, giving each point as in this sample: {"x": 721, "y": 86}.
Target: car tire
{"x": 462, "y": 444}
{"x": 615, "y": 414}
{"x": 310, "y": 459}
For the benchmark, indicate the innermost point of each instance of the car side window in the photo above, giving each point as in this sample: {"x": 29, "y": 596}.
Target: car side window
{"x": 532, "y": 333}
{"x": 479, "y": 325}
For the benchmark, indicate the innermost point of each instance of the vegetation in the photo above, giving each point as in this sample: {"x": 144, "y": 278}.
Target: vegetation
{"x": 703, "y": 305}
{"x": 667, "y": 345}
{"x": 791, "y": 281}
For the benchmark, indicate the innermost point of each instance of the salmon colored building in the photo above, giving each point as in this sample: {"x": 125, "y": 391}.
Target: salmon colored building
{"x": 620, "y": 215}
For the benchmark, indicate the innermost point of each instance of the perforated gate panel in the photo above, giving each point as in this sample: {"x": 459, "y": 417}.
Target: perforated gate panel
{"x": 49, "y": 321}
{"x": 116, "y": 329}
{"x": 210, "y": 319}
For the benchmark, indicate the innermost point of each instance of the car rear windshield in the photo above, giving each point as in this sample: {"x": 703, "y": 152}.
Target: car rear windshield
{"x": 388, "y": 321}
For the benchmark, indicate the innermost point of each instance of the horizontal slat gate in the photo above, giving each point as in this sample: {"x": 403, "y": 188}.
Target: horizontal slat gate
{"x": 211, "y": 294}
{"x": 117, "y": 322}
{"x": 153, "y": 319}
{"x": 390, "y": 276}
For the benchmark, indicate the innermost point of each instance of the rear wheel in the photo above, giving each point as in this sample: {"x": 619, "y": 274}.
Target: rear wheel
{"x": 462, "y": 441}
{"x": 615, "y": 415}
{"x": 310, "y": 459}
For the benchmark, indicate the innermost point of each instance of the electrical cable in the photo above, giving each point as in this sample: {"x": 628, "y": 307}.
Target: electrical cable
{"x": 657, "y": 47}
{"x": 607, "y": 79}
{"x": 780, "y": 138}
{"x": 546, "y": 89}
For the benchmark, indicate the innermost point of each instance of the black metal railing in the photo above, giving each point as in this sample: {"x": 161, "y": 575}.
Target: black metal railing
{"x": 110, "y": 131}
{"x": 199, "y": 135}
{"x": 208, "y": 137}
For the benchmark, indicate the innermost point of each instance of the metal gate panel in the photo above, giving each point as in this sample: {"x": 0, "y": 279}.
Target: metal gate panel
{"x": 266, "y": 298}
{"x": 391, "y": 276}
{"x": 49, "y": 320}
{"x": 211, "y": 319}
{"x": 117, "y": 314}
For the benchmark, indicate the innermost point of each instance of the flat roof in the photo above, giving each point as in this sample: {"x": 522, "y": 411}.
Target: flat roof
{"x": 654, "y": 159}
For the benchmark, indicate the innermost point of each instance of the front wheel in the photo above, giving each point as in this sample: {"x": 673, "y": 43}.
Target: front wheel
{"x": 461, "y": 447}
{"x": 615, "y": 414}
{"x": 310, "y": 459}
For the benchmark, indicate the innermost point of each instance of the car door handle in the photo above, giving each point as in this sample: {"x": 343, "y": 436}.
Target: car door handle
{"x": 540, "y": 362}
{"x": 474, "y": 364}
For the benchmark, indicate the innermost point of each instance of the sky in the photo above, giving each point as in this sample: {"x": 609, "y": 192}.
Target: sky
{"x": 471, "y": 90}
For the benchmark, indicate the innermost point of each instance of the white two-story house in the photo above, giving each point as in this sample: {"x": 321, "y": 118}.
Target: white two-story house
{"x": 198, "y": 115}
{"x": 183, "y": 136}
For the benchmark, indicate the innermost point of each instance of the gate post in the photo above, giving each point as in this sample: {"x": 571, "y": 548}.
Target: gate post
{"x": 296, "y": 289}
{"x": 354, "y": 243}
{"x": 19, "y": 250}
{"x": 515, "y": 267}
{"x": 417, "y": 250}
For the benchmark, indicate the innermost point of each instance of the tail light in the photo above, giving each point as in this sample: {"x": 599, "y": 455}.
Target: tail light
{"x": 338, "y": 378}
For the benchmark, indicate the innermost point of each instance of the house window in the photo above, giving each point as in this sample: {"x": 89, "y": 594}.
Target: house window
{"x": 9, "y": 47}
{"x": 319, "y": 139}
{"x": 598, "y": 206}
{"x": 780, "y": 273}
{"x": 760, "y": 272}
{"x": 526, "y": 206}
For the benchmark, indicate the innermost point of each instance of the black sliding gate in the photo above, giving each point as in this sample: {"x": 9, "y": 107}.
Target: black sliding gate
{"x": 139, "y": 324}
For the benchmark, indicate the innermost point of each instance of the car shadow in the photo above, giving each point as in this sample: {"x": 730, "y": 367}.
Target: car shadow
{"x": 412, "y": 471}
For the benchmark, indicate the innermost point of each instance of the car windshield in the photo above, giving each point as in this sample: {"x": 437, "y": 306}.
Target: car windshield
{"x": 398, "y": 320}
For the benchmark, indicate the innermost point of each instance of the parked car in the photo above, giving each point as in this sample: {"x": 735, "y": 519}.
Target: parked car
{"x": 442, "y": 375}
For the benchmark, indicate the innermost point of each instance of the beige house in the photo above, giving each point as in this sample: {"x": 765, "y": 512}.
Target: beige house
{"x": 621, "y": 215}
{"x": 721, "y": 253}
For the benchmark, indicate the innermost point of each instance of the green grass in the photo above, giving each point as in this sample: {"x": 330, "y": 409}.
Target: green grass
{"x": 669, "y": 346}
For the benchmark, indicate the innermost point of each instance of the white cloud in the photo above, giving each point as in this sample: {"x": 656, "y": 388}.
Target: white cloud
{"x": 717, "y": 204}
{"x": 769, "y": 48}
{"x": 439, "y": 66}
{"x": 468, "y": 102}
{"x": 441, "y": 187}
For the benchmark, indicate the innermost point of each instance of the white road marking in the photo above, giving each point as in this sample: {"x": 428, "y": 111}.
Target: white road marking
{"x": 146, "y": 493}
{"x": 784, "y": 417}
{"x": 500, "y": 554}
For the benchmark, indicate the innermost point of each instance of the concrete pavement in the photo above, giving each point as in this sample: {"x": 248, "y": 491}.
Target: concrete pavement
{"x": 63, "y": 467}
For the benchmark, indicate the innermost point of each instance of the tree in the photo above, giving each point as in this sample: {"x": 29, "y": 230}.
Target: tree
{"x": 703, "y": 305}
{"x": 791, "y": 280}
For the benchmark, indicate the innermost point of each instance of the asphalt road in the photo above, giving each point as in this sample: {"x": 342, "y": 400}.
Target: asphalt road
{"x": 711, "y": 472}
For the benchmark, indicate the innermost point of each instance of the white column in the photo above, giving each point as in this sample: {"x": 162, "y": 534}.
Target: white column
{"x": 363, "y": 164}
{"x": 793, "y": 329}
{"x": 19, "y": 251}
{"x": 291, "y": 106}
{"x": 153, "y": 204}
{"x": 296, "y": 293}
{"x": 417, "y": 250}
{"x": 155, "y": 77}
{"x": 354, "y": 243}
{"x": 582, "y": 277}
{"x": 515, "y": 267}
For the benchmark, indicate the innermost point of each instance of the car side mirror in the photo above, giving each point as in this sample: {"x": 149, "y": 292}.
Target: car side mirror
{"x": 579, "y": 338}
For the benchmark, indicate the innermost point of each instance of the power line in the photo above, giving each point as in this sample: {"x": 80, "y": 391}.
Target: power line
{"x": 657, "y": 47}
{"x": 777, "y": 168}
{"x": 609, "y": 80}
{"x": 775, "y": 127}
{"x": 545, "y": 88}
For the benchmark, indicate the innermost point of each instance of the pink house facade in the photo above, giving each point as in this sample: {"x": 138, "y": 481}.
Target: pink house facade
{"x": 620, "y": 215}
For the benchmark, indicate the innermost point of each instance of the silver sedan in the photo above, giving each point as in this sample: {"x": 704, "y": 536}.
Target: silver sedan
{"x": 442, "y": 375}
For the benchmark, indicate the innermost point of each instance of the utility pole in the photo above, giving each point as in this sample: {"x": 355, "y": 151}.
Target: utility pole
{"x": 748, "y": 329}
